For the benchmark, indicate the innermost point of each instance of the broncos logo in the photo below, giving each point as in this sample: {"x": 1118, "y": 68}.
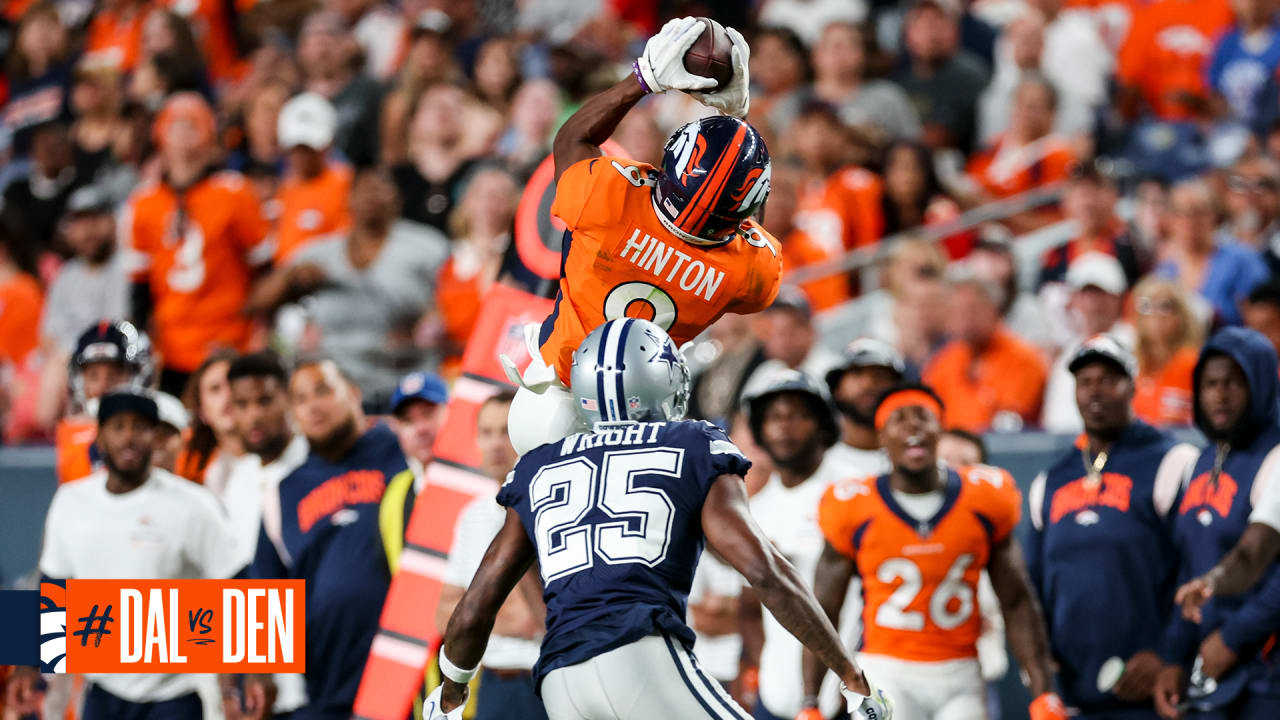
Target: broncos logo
{"x": 688, "y": 149}
{"x": 754, "y": 188}
{"x": 53, "y": 627}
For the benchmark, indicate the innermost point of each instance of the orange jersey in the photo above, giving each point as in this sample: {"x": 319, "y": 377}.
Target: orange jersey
{"x": 1167, "y": 50}
{"x": 920, "y": 578}
{"x": 798, "y": 250}
{"x": 200, "y": 272}
{"x": 20, "y": 305}
{"x": 1163, "y": 397}
{"x": 311, "y": 208}
{"x": 843, "y": 212}
{"x": 115, "y": 40}
{"x": 73, "y": 438}
{"x": 1008, "y": 376}
{"x": 619, "y": 260}
{"x": 1004, "y": 171}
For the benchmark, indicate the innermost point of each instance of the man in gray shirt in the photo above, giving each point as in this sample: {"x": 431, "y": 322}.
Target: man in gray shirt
{"x": 92, "y": 285}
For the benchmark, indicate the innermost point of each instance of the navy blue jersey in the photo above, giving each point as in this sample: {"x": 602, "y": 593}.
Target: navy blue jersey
{"x": 324, "y": 530}
{"x": 616, "y": 517}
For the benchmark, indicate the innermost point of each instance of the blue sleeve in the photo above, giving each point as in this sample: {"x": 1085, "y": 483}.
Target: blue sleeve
{"x": 267, "y": 564}
{"x": 720, "y": 456}
{"x": 1217, "y": 60}
{"x": 1258, "y": 617}
{"x": 515, "y": 487}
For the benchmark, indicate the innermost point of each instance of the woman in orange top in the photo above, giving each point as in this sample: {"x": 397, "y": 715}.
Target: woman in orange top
{"x": 1169, "y": 338}
{"x": 213, "y": 444}
{"x": 481, "y": 228}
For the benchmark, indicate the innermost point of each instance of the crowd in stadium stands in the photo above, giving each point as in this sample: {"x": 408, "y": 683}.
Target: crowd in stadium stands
{"x": 195, "y": 189}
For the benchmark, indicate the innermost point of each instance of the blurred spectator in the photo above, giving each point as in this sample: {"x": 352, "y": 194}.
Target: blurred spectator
{"x": 259, "y": 155}
{"x": 867, "y": 369}
{"x": 1253, "y": 205}
{"x": 1243, "y": 64}
{"x": 961, "y": 448}
{"x": 913, "y": 197}
{"x": 170, "y": 431}
{"x": 506, "y": 683}
{"x": 115, "y": 34}
{"x": 1221, "y": 272}
{"x": 1089, "y": 201}
{"x": 798, "y": 248}
{"x": 368, "y": 287}
{"x": 107, "y": 355}
{"x": 101, "y": 526}
{"x": 1262, "y": 311}
{"x": 840, "y": 205}
{"x": 20, "y": 304}
{"x": 215, "y": 445}
{"x": 38, "y": 70}
{"x": 97, "y": 98}
{"x": 535, "y": 110}
{"x": 1168, "y": 340}
{"x": 713, "y": 616}
{"x": 779, "y": 72}
{"x": 788, "y": 337}
{"x": 440, "y": 154}
{"x": 1018, "y": 54}
{"x": 481, "y": 229}
{"x": 325, "y": 55}
{"x": 1102, "y": 509}
{"x": 213, "y": 26}
{"x": 942, "y": 80}
{"x": 428, "y": 61}
{"x": 1027, "y": 155}
{"x": 321, "y": 525}
{"x": 195, "y": 238}
{"x": 1160, "y": 68}
{"x": 495, "y": 75}
{"x": 418, "y": 410}
{"x": 987, "y": 377}
{"x": 373, "y": 25}
{"x": 1096, "y": 305}
{"x": 169, "y": 45}
{"x": 1077, "y": 61}
{"x": 313, "y": 195}
{"x": 993, "y": 261}
{"x": 840, "y": 64}
{"x": 807, "y": 19}
{"x": 93, "y": 284}
{"x": 40, "y": 197}
{"x": 729, "y": 357}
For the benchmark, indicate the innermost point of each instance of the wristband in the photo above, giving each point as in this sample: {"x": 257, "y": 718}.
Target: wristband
{"x": 455, "y": 673}
{"x": 635, "y": 68}
{"x": 750, "y": 678}
{"x": 809, "y": 701}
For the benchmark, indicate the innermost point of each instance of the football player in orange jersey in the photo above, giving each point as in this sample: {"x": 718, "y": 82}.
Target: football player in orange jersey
{"x": 919, "y": 537}
{"x": 674, "y": 245}
{"x": 194, "y": 239}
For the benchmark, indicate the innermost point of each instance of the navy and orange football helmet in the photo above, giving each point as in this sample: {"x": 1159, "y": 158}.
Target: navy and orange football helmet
{"x": 715, "y": 174}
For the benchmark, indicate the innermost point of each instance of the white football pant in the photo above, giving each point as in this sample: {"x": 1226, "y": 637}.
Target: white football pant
{"x": 653, "y": 678}
{"x": 946, "y": 690}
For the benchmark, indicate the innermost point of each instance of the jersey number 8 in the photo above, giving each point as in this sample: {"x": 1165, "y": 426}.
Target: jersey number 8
{"x": 563, "y": 494}
{"x": 893, "y": 613}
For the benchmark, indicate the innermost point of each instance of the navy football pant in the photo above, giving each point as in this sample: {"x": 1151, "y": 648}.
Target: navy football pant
{"x": 102, "y": 705}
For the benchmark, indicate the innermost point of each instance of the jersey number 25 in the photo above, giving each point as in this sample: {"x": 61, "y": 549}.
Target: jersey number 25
{"x": 564, "y": 493}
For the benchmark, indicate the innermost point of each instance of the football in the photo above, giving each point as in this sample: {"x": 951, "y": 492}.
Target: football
{"x": 709, "y": 54}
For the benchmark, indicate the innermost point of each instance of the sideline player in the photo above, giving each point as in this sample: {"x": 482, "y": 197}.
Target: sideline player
{"x": 674, "y": 245}
{"x": 617, "y": 564}
{"x": 919, "y": 537}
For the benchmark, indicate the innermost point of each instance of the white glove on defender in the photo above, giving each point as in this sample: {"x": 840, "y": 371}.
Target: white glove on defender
{"x": 661, "y": 66}
{"x": 876, "y": 706}
{"x": 431, "y": 707}
{"x": 735, "y": 97}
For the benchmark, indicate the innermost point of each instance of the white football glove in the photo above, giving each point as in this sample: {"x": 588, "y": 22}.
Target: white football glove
{"x": 431, "y": 707}
{"x": 661, "y": 66}
{"x": 735, "y": 97}
{"x": 876, "y": 706}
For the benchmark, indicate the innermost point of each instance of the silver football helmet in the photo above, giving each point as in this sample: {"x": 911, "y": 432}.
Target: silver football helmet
{"x": 629, "y": 369}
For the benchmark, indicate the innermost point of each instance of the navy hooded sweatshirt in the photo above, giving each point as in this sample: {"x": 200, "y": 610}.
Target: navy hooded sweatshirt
{"x": 1102, "y": 559}
{"x": 1210, "y": 516}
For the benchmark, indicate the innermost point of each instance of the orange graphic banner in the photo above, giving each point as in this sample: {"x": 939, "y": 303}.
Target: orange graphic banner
{"x": 171, "y": 626}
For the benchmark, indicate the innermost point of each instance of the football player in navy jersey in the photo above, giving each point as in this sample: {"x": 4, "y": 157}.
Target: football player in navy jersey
{"x": 617, "y": 518}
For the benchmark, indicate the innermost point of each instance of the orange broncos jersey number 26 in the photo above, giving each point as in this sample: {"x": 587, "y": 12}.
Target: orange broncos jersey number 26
{"x": 920, "y": 578}
{"x": 621, "y": 261}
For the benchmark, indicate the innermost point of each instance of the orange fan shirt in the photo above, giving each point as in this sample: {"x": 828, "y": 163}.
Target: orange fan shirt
{"x": 310, "y": 208}
{"x": 1004, "y": 171}
{"x": 197, "y": 250}
{"x": 115, "y": 40}
{"x": 1009, "y": 375}
{"x": 798, "y": 250}
{"x": 211, "y": 23}
{"x": 620, "y": 261}
{"x": 1167, "y": 49}
{"x": 459, "y": 300}
{"x": 920, "y": 578}
{"x": 72, "y": 438}
{"x": 843, "y": 212}
{"x": 1163, "y": 397}
{"x": 21, "y": 303}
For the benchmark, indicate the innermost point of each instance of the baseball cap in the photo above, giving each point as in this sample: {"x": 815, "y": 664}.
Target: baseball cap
{"x": 171, "y": 411}
{"x": 1099, "y": 270}
{"x": 127, "y": 400}
{"x": 89, "y": 199}
{"x": 792, "y": 298}
{"x": 1104, "y": 347}
{"x": 866, "y": 352}
{"x": 307, "y": 119}
{"x": 433, "y": 21}
{"x": 419, "y": 386}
